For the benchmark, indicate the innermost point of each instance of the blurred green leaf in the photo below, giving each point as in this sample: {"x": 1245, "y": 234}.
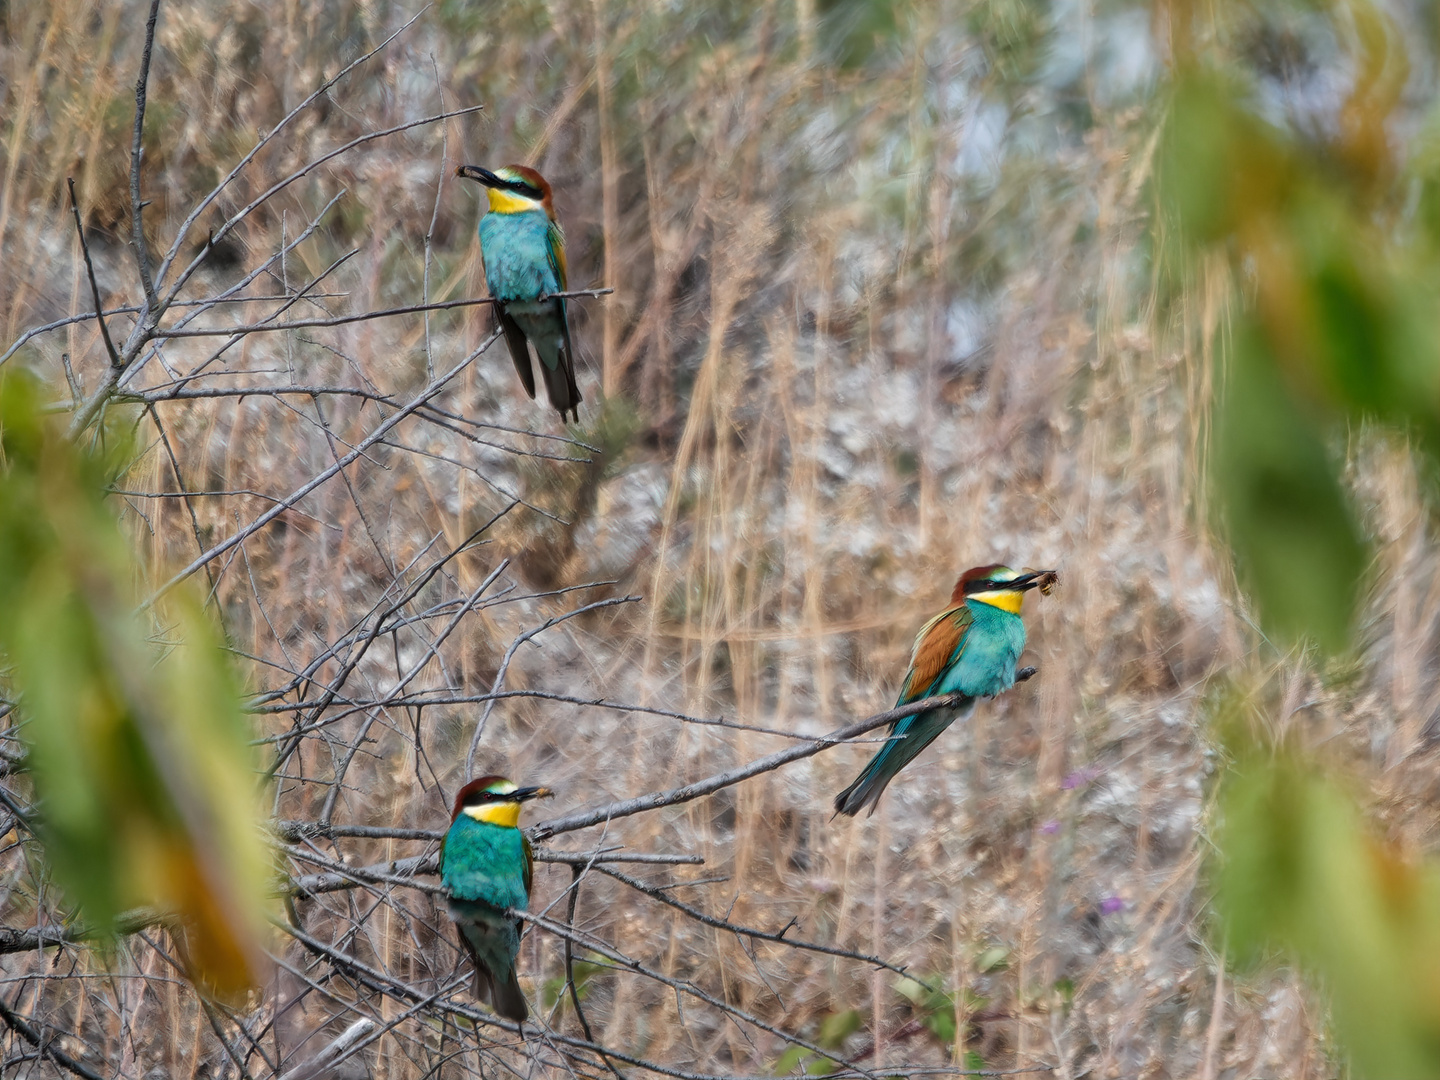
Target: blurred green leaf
{"x": 1300, "y": 873}
{"x": 139, "y": 756}
{"x": 851, "y": 31}
{"x": 1334, "y": 322}
{"x": 790, "y": 1060}
{"x": 1331, "y": 327}
{"x": 935, "y": 1009}
{"x": 837, "y": 1027}
{"x": 1219, "y": 165}
{"x": 940, "y": 1022}
{"x": 995, "y": 958}
{"x": 553, "y": 991}
{"x": 910, "y": 989}
{"x": 1297, "y": 545}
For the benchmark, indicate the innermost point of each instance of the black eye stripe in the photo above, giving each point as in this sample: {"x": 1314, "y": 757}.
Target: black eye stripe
{"x": 984, "y": 585}
{"x": 477, "y": 797}
{"x": 520, "y": 187}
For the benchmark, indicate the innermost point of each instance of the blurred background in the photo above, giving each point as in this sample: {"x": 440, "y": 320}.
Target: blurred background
{"x": 1145, "y": 292}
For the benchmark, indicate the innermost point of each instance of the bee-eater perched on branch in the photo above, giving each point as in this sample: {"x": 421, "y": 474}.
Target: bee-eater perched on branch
{"x": 524, "y": 251}
{"x": 970, "y": 648}
{"x": 486, "y": 867}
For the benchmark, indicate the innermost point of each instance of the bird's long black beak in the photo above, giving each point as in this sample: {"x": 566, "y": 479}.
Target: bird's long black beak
{"x": 484, "y": 176}
{"x": 1044, "y": 580}
{"x": 526, "y": 793}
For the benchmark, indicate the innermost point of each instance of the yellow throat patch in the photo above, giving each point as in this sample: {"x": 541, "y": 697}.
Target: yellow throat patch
{"x": 505, "y": 814}
{"x": 507, "y": 202}
{"x": 1005, "y": 599}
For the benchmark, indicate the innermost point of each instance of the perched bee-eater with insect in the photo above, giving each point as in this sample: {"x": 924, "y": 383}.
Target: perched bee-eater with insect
{"x": 970, "y": 648}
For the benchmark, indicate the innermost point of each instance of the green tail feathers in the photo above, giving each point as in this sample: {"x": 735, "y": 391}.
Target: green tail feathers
{"x": 503, "y": 995}
{"x": 493, "y": 942}
{"x": 911, "y": 735}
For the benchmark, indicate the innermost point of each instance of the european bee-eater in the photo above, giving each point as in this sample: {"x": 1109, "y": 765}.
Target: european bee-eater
{"x": 524, "y": 251}
{"x": 971, "y": 648}
{"x": 486, "y": 867}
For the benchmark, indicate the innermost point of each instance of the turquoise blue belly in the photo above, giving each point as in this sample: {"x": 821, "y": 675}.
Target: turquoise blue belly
{"x": 517, "y": 256}
{"x": 991, "y": 649}
{"x": 484, "y": 862}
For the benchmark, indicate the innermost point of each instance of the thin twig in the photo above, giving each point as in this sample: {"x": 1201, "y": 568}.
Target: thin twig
{"x": 47, "y": 1047}
{"x": 444, "y": 173}
{"x": 137, "y": 145}
{"x": 344, "y": 320}
{"x": 280, "y": 185}
{"x": 261, "y": 143}
{"x": 430, "y": 652}
{"x": 59, "y": 324}
{"x": 364, "y": 644}
{"x": 305, "y": 830}
{"x": 684, "y": 986}
{"x": 389, "y": 985}
{"x": 529, "y": 635}
{"x": 576, "y": 873}
{"x": 316, "y": 481}
{"x": 758, "y": 935}
{"x": 94, "y": 287}
{"x": 339, "y": 877}
{"x": 712, "y": 784}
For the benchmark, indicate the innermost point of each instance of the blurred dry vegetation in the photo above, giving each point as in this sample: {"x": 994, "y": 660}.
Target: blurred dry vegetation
{"x": 888, "y": 302}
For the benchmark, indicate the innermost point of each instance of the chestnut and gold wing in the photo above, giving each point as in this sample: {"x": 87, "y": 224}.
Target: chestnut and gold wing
{"x": 555, "y": 250}
{"x": 936, "y": 648}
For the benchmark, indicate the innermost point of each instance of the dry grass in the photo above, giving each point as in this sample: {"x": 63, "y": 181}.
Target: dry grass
{"x": 856, "y": 344}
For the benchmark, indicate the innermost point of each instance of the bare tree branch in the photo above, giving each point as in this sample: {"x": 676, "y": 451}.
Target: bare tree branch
{"x": 333, "y": 1052}
{"x": 90, "y": 271}
{"x": 14, "y": 940}
{"x": 137, "y": 147}
{"x": 265, "y": 140}
{"x": 46, "y": 1046}
{"x": 529, "y": 635}
{"x": 279, "y": 508}
{"x": 364, "y": 316}
{"x": 712, "y": 784}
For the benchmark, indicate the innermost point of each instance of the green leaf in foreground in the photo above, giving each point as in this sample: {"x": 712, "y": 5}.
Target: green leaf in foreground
{"x": 1297, "y": 545}
{"x": 139, "y": 755}
{"x": 1300, "y": 873}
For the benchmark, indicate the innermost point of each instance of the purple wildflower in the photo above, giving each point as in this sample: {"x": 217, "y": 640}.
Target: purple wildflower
{"x": 1079, "y": 776}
